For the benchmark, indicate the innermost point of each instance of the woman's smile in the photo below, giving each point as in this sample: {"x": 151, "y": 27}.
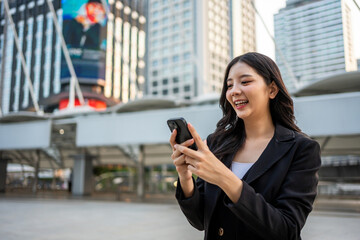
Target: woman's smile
{"x": 239, "y": 104}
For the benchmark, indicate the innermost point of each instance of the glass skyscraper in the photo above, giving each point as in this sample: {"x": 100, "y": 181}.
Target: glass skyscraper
{"x": 190, "y": 43}
{"x": 315, "y": 39}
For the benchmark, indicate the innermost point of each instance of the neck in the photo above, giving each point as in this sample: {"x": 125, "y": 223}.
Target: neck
{"x": 259, "y": 128}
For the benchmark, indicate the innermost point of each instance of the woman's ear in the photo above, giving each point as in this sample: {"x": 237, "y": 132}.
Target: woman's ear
{"x": 273, "y": 90}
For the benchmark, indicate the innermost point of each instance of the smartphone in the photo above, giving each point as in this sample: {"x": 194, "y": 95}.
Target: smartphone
{"x": 183, "y": 132}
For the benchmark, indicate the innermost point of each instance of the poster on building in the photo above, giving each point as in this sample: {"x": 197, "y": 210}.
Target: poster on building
{"x": 84, "y": 30}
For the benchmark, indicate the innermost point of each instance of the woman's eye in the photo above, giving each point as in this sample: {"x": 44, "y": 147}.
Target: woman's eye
{"x": 229, "y": 85}
{"x": 245, "y": 82}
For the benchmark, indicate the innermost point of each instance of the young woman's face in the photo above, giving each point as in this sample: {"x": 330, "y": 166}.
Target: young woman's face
{"x": 248, "y": 93}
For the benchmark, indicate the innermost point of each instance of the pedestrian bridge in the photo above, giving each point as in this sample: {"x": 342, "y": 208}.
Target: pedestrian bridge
{"x": 136, "y": 132}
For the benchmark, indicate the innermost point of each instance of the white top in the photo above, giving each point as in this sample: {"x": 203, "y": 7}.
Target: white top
{"x": 240, "y": 169}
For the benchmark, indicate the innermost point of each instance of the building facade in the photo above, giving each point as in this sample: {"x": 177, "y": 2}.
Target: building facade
{"x": 113, "y": 71}
{"x": 315, "y": 40}
{"x": 243, "y": 37}
{"x": 190, "y": 43}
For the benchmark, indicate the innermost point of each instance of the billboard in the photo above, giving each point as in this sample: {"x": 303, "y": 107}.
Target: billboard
{"x": 84, "y": 30}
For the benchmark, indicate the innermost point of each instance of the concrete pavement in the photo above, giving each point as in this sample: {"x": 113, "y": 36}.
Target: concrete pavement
{"x": 53, "y": 219}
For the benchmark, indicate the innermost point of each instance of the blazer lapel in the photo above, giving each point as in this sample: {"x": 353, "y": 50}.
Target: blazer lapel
{"x": 278, "y": 146}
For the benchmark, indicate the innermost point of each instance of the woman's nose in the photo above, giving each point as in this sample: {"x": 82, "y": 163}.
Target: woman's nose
{"x": 236, "y": 90}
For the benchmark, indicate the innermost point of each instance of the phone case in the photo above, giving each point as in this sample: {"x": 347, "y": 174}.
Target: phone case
{"x": 183, "y": 132}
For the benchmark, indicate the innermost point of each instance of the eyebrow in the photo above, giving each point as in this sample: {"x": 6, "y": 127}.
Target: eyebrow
{"x": 242, "y": 76}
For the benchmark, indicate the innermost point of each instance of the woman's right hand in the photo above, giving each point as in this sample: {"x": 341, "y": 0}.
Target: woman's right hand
{"x": 185, "y": 176}
{"x": 179, "y": 159}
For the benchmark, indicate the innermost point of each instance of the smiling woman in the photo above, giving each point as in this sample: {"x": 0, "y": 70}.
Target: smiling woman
{"x": 257, "y": 173}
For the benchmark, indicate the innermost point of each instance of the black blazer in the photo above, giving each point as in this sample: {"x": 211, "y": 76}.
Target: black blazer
{"x": 277, "y": 196}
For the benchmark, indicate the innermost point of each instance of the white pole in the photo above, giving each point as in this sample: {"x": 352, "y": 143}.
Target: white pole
{"x": 287, "y": 66}
{"x": 74, "y": 82}
{"x": 23, "y": 62}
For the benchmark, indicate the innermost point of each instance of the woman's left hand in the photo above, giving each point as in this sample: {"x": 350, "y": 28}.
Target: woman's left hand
{"x": 203, "y": 162}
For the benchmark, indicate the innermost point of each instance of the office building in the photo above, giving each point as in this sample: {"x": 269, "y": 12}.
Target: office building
{"x": 107, "y": 49}
{"x": 243, "y": 37}
{"x": 190, "y": 43}
{"x": 315, "y": 39}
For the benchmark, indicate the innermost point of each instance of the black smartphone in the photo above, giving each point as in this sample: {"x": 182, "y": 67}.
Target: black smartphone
{"x": 183, "y": 132}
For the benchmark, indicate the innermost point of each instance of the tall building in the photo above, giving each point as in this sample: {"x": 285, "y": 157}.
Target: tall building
{"x": 190, "y": 43}
{"x": 106, "y": 44}
{"x": 315, "y": 39}
{"x": 243, "y": 37}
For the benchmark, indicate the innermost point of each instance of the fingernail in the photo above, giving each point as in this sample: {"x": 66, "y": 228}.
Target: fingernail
{"x": 175, "y": 146}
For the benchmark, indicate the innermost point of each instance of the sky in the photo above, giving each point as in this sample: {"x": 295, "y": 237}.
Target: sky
{"x": 268, "y": 8}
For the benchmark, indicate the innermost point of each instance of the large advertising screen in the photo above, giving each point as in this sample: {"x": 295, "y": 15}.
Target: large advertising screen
{"x": 84, "y": 30}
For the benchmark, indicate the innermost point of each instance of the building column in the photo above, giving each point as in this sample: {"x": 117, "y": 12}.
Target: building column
{"x": 82, "y": 181}
{"x": 163, "y": 177}
{"x": 3, "y": 172}
{"x": 141, "y": 174}
{"x": 36, "y": 174}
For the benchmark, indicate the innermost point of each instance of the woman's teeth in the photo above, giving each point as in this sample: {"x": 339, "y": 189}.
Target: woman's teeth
{"x": 240, "y": 102}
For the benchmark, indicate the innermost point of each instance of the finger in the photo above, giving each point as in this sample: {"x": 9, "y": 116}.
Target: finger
{"x": 172, "y": 138}
{"x": 192, "y": 169}
{"x": 199, "y": 142}
{"x": 186, "y": 151}
{"x": 188, "y": 143}
{"x": 176, "y": 153}
{"x": 179, "y": 161}
{"x": 190, "y": 161}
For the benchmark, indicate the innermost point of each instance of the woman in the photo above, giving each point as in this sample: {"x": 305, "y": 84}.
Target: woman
{"x": 257, "y": 173}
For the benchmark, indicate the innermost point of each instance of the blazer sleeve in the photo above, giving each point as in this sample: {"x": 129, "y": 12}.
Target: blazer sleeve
{"x": 193, "y": 207}
{"x": 285, "y": 217}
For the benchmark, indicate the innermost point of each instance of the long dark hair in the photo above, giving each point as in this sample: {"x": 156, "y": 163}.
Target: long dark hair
{"x": 230, "y": 130}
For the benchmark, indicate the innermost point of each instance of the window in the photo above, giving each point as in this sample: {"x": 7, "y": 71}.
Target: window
{"x": 154, "y": 92}
{"x": 187, "y": 24}
{"x": 164, "y": 61}
{"x": 187, "y": 3}
{"x": 155, "y": 4}
{"x": 155, "y": 14}
{"x": 175, "y": 58}
{"x": 155, "y": 63}
{"x": 187, "y": 88}
{"x": 187, "y": 78}
{"x": 174, "y": 37}
{"x": 155, "y": 33}
{"x": 165, "y": 11}
{"x": 186, "y": 56}
{"x": 187, "y": 14}
{"x": 165, "y": 92}
{"x": 165, "y": 20}
{"x": 165, "y": 40}
{"x": 176, "y": 90}
{"x": 175, "y": 79}
{"x": 155, "y": 43}
{"x": 155, "y": 73}
{"x": 165, "y": 81}
{"x": 155, "y": 83}
{"x": 175, "y": 27}
{"x": 165, "y": 30}
{"x": 176, "y": 48}
{"x": 155, "y": 23}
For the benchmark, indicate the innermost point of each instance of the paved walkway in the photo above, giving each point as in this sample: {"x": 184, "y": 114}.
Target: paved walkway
{"x": 55, "y": 219}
